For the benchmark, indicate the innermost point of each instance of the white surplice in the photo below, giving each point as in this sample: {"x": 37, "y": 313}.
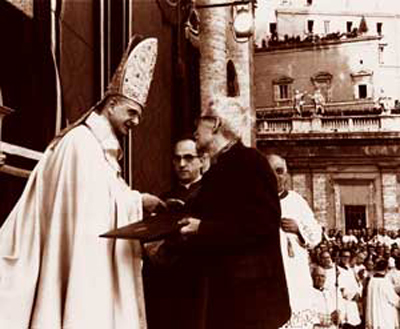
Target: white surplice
{"x": 382, "y": 304}
{"x": 296, "y": 259}
{"x": 350, "y": 288}
{"x": 55, "y": 270}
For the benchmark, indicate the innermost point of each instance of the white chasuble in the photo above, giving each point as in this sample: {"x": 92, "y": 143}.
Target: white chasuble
{"x": 55, "y": 271}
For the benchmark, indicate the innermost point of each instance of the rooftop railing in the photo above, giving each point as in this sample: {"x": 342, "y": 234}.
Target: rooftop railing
{"x": 329, "y": 124}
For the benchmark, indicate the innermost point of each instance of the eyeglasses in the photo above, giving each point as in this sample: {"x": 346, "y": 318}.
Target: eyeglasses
{"x": 186, "y": 157}
{"x": 216, "y": 121}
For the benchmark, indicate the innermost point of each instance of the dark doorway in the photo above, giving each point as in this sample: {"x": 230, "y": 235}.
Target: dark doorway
{"x": 355, "y": 217}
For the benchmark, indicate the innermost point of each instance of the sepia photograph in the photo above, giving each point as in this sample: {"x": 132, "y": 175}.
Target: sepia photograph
{"x": 199, "y": 164}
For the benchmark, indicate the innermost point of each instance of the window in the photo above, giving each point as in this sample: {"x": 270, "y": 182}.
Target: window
{"x": 379, "y": 27}
{"x": 349, "y": 26}
{"x": 381, "y": 54}
{"x": 362, "y": 84}
{"x": 309, "y": 2}
{"x": 362, "y": 91}
{"x": 310, "y": 26}
{"x": 283, "y": 89}
{"x": 232, "y": 81}
{"x": 327, "y": 26}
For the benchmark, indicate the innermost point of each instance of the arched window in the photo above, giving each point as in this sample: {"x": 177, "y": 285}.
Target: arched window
{"x": 232, "y": 80}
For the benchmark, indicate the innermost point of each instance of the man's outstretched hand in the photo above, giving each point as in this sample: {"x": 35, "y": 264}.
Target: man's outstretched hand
{"x": 152, "y": 203}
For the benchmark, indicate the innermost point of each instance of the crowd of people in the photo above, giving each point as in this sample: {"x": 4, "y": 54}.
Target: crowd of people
{"x": 335, "y": 280}
{"x": 361, "y": 271}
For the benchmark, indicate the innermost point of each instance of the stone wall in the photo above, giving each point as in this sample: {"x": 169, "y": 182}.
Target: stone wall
{"x": 320, "y": 197}
{"x": 340, "y": 60}
{"x": 390, "y": 192}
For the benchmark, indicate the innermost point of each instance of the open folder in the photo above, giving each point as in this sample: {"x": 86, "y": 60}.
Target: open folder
{"x": 151, "y": 228}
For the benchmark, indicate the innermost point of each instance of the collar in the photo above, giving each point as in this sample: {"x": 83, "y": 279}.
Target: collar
{"x": 103, "y": 132}
{"x": 345, "y": 267}
{"x": 187, "y": 186}
{"x": 283, "y": 194}
{"x": 225, "y": 149}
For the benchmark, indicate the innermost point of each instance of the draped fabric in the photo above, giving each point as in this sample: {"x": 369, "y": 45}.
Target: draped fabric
{"x": 296, "y": 261}
{"x": 55, "y": 271}
{"x": 382, "y": 304}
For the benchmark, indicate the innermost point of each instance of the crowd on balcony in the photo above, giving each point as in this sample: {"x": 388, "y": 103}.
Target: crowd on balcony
{"x": 312, "y": 38}
{"x": 273, "y": 41}
{"x": 359, "y": 271}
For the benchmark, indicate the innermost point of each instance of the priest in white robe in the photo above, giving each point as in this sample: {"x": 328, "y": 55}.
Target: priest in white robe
{"x": 299, "y": 231}
{"x": 55, "y": 271}
{"x": 383, "y": 303}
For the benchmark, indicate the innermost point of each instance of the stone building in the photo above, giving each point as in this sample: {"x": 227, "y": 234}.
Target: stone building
{"x": 345, "y": 159}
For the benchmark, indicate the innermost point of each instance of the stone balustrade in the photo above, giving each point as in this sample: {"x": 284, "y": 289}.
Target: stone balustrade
{"x": 329, "y": 124}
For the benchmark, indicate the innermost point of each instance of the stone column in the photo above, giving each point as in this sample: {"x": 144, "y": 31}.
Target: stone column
{"x": 213, "y": 34}
{"x": 390, "y": 206}
{"x": 301, "y": 186}
{"x": 339, "y": 222}
{"x": 320, "y": 198}
{"x": 217, "y": 46}
{"x": 241, "y": 53}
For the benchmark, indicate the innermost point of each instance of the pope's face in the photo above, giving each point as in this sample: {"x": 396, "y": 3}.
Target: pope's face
{"x": 123, "y": 116}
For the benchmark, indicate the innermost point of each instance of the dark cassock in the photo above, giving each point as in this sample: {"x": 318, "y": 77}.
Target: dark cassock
{"x": 237, "y": 247}
{"x": 173, "y": 288}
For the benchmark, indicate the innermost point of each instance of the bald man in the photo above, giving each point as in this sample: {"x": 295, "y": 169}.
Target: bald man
{"x": 299, "y": 231}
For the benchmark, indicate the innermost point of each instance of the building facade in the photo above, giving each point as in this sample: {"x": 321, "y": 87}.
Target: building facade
{"x": 342, "y": 147}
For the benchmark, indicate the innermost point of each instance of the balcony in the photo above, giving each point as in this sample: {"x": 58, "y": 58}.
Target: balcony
{"x": 328, "y": 125}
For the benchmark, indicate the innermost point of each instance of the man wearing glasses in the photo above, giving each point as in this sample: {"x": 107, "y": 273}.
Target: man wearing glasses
{"x": 172, "y": 286}
{"x": 232, "y": 232}
{"x": 350, "y": 290}
{"x": 188, "y": 167}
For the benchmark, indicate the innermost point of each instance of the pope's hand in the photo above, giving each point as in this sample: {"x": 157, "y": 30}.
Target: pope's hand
{"x": 151, "y": 203}
{"x": 289, "y": 225}
{"x": 191, "y": 225}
